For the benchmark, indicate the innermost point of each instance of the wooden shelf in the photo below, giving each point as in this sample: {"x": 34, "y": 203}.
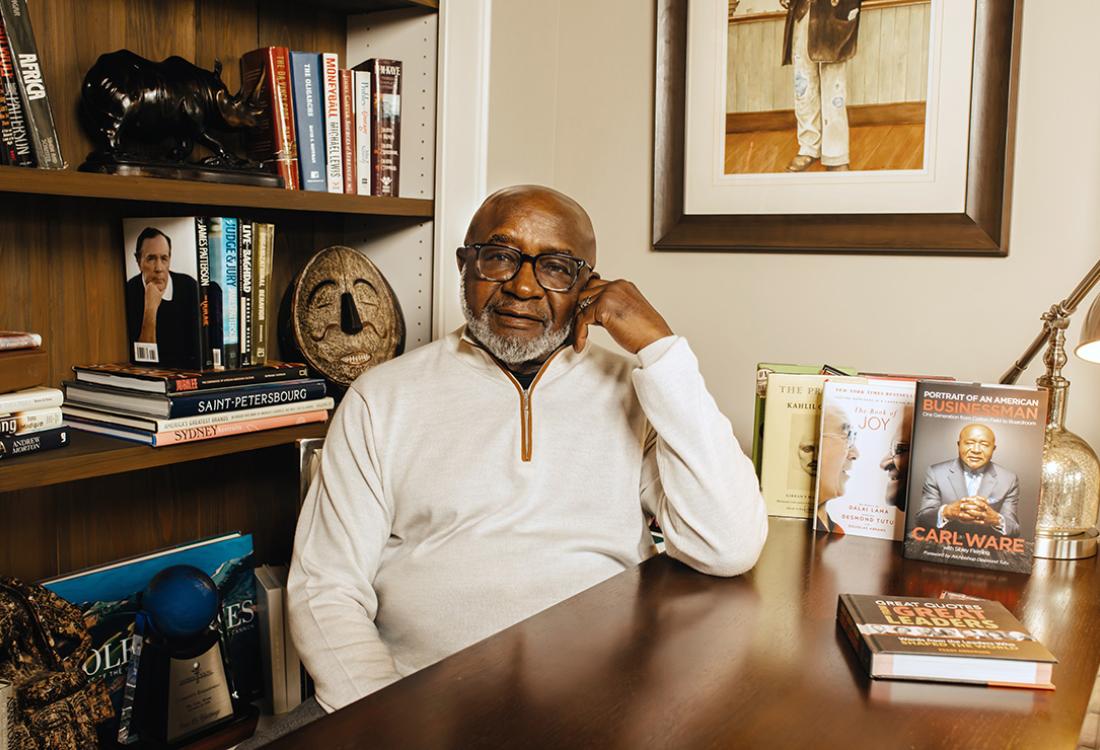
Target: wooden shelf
{"x": 188, "y": 192}
{"x": 91, "y": 455}
{"x": 370, "y": 6}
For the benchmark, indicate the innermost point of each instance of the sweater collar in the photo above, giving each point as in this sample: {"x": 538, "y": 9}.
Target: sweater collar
{"x": 473, "y": 354}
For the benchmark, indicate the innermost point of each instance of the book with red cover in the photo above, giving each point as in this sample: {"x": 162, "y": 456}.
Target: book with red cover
{"x": 966, "y": 640}
{"x": 385, "y": 87}
{"x": 272, "y": 142}
{"x": 193, "y": 434}
{"x": 19, "y": 340}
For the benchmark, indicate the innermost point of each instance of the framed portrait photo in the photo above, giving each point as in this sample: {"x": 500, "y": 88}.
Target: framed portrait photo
{"x": 873, "y": 126}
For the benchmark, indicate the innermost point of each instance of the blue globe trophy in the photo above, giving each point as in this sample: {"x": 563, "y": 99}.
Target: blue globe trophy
{"x": 182, "y": 687}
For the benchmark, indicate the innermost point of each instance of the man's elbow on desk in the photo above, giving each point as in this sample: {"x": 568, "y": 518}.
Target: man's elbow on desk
{"x": 727, "y": 555}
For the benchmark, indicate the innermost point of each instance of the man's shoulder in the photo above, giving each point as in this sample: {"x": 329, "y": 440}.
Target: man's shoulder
{"x": 943, "y": 466}
{"x": 184, "y": 282}
{"x": 1004, "y": 474}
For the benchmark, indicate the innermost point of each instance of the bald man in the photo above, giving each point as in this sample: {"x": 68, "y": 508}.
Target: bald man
{"x": 971, "y": 492}
{"x": 479, "y": 479}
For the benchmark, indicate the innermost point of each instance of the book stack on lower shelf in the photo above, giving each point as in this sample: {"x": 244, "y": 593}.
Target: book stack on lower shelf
{"x": 167, "y": 407}
{"x": 30, "y": 415}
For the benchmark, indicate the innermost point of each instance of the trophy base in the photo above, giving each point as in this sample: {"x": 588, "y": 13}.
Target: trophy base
{"x": 1073, "y": 547}
{"x": 181, "y": 171}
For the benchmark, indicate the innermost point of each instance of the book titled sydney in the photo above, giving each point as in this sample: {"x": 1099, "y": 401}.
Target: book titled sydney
{"x": 108, "y": 595}
{"x": 974, "y": 474}
{"x": 971, "y": 640}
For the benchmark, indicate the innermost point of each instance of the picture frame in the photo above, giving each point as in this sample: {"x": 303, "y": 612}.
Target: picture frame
{"x": 981, "y": 228}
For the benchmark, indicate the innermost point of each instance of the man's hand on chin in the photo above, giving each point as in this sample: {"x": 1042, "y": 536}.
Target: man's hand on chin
{"x": 621, "y": 309}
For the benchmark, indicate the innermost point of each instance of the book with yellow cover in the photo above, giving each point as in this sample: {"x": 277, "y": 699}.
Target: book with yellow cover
{"x": 788, "y": 455}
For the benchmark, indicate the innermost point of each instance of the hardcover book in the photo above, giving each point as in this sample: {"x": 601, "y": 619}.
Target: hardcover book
{"x": 347, "y": 129}
{"x": 107, "y": 417}
{"x": 23, "y": 368}
{"x": 305, "y": 68}
{"x": 210, "y": 401}
{"x": 163, "y": 300}
{"x": 32, "y": 84}
{"x": 16, "y": 445}
{"x": 788, "y": 456}
{"x": 108, "y": 595}
{"x": 361, "y": 82}
{"x": 330, "y": 94}
{"x": 207, "y": 432}
{"x": 151, "y": 380}
{"x": 246, "y": 244}
{"x": 17, "y": 140}
{"x": 26, "y": 422}
{"x": 971, "y": 640}
{"x": 975, "y": 473}
{"x": 229, "y": 240}
{"x": 272, "y": 141}
{"x": 385, "y": 86}
{"x": 30, "y": 398}
{"x": 863, "y": 458}
{"x": 262, "y": 259}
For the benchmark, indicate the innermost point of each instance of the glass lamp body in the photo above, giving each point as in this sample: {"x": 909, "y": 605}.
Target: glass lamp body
{"x": 1071, "y": 477}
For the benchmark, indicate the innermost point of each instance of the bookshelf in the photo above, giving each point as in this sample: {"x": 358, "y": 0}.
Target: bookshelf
{"x": 61, "y": 272}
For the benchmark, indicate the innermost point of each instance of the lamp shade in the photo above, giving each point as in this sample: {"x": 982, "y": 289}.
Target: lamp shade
{"x": 1089, "y": 347}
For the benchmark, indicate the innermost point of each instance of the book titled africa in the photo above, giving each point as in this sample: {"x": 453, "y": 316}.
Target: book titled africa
{"x": 862, "y": 471}
{"x": 975, "y": 473}
{"x": 108, "y": 595}
{"x": 971, "y": 640}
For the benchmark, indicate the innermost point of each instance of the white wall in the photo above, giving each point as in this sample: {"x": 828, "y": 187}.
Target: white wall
{"x": 571, "y": 91}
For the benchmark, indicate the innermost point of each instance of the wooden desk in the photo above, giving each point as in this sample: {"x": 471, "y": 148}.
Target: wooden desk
{"x": 661, "y": 656}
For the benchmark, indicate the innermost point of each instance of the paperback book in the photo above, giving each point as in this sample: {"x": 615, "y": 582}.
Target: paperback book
{"x": 109, "y": 597}
{"x": 972, "y": 640}
{"x": 975, "y": 474}
{"x": 863, "y": 458}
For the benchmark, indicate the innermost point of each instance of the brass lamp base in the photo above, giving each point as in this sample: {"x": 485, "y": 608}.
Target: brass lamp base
{"x": 1063, "y": 547}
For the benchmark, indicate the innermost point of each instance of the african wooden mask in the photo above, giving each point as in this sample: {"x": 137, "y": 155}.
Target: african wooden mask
{"x": 344, "y": 315}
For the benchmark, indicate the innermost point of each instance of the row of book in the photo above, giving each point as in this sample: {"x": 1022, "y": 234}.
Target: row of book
{"x": 326, "y": 129}
{"x": 28, "y": 136}
{"x": 30, "y": 414}
{"x": 166, "y": 407}
{"x": 197, "y": 291}
{"x": 952, "y": 468}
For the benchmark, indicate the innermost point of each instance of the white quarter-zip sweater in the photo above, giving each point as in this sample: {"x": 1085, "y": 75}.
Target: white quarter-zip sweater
{"x": 451, "y": 504}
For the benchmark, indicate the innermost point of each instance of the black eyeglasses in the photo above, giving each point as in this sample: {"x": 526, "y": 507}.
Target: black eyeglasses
{"x": 555, "y": 272}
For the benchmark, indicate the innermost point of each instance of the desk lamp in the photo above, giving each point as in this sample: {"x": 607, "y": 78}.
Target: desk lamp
{"x": 1070, "y": 492}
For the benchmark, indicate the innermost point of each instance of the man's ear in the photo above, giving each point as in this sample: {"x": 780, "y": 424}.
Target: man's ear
{"x": 460, "y": 256}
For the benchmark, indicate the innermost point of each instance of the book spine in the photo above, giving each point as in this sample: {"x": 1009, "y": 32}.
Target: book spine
{"x": 10, "y": 340}
{"x": 347, "y": 129}
{"x": 22, "y": 151}
{"x": 26, "y": 369}
{"x": 7, "y": 139}
{"x": 26, "y": 422}
{"x": 386, "y": 133}
{"x": 193, "y": 434}
{"x": 8, "y": 707}
{"x": 261, "y": 270}
{"x": 202, "y": 254}
{"x": 271, "y": 141}
{"x": 334, "y": 160}
{"x": 224, "y": 417}
{"x": 192, "y": 404}
{"x": 847, "y": 624}
{"x": 44, "y": 398}
{"x": 307, "y": 118}
{"x": 247, "y": 244}
{"x": 230, "y": 298}
{"x": 362, "y": 96}
{"x": 16, "y": 445}
{"x": 217, "y": 293}
{"x": 285, "y": 132}
{"x": 270, "y": 602}
{"x": 32, "y": 85}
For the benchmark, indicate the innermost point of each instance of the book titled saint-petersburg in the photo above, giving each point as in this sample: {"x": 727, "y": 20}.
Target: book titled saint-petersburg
{"x": 162, "y": 292}
{"x": 975, "y": 473}
{"x": 32, "y": 84}
{"x": 863, "y": 458}
{"x": 108, "y": 595}
{"x": 385, "y": 136}
{"x": 969, "y": 640}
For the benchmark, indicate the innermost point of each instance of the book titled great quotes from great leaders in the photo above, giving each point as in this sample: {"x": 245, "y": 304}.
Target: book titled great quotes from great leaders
{"x": 975, "y": 474}
{"x": 970, "y": 640}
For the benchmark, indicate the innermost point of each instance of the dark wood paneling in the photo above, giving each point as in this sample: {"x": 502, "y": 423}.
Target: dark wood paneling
{"x": 662, "y": 656}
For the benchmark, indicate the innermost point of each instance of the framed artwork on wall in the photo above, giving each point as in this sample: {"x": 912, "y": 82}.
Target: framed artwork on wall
{"x": 868, "y": 126}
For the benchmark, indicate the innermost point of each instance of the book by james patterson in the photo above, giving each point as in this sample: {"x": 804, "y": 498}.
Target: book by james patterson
{"x": 788, "y": 455}
{"x": 970, "y": 640}
{"x": 863, "y": 458}
{"x": 162, "y": 294}
{"x": 108, "y": 597}
{"x": 974, "y": 474}
{"x": 32, "y": 84}
{"x": 305, "y": 68}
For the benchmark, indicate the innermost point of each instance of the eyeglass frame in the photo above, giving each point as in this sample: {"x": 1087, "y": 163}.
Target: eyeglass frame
{"x": 581, "y": 264}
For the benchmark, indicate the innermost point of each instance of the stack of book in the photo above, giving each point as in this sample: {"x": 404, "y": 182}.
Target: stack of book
{"x": 30, "y": 414}
{"x": 326, "y": 129}
{"x": 166, "y": 407}
{"x": 28, "y": 137}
